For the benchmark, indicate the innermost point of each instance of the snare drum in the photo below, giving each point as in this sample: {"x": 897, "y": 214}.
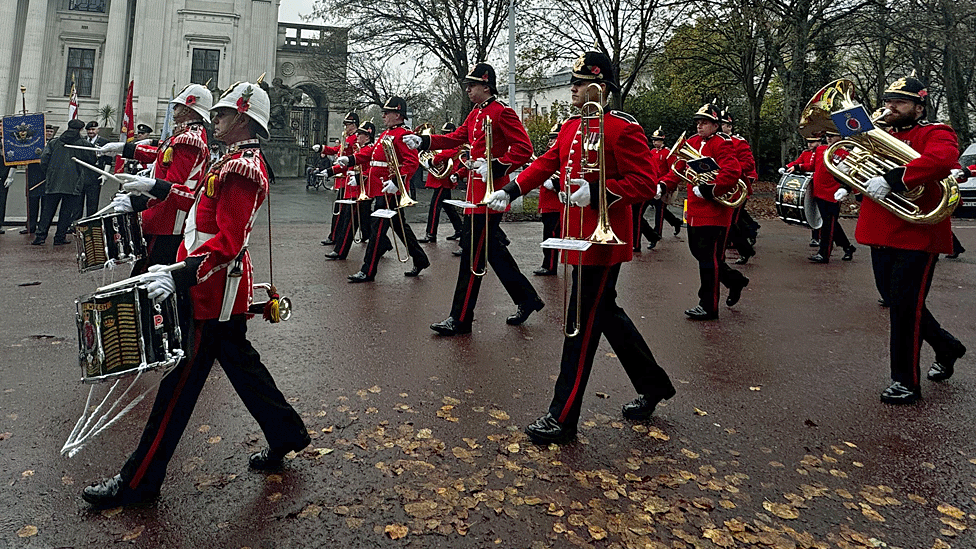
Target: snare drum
{"x": 121, "y": 331}
{"x": 115, "y": 237}
{"x": 794, "y": 201}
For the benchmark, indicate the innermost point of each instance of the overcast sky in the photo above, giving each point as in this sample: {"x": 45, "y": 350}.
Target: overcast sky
{"x": 290, "y": 10}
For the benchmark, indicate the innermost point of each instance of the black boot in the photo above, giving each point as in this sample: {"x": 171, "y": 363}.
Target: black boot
{"x": 643, "y": 406}
{"x": 896, "y": 393}
{"x": 111, "y": 492}
{"x": 546, "y": 430}
{"x": 848, "y": 253}
{"x": 735, "y": 292}
{"x": 524, "y": 310}
{"x": 944, "y": 366}
{"x": 450, "y": 327}
{"x": 699, "y": 313}
{"x": 272, "y": 458}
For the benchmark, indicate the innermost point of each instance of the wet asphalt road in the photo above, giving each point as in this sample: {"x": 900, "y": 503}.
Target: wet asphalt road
{"x": 776, "y": 437}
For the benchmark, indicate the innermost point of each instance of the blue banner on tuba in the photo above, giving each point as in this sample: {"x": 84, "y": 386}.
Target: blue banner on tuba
{"x": 23, "y": 139}
{"x": 852, "y": 121}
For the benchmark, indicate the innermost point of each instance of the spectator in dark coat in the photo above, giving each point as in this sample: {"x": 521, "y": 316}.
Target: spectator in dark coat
{"x": 65, "y": 181}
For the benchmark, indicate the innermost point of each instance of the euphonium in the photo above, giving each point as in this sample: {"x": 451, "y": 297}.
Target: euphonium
{"x": 427, "y": 157}
{"x": 683, "y": 151}
{"x": 872, "y": 154}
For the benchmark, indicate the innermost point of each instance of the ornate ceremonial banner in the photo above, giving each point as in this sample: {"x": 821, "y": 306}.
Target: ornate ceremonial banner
{"x": 23, "y": 139}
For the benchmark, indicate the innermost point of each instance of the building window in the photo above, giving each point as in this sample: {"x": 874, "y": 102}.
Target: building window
{"x": 205, "y": 66}
{"x": 97, "y": 6}
{"x": 81, "y": 64}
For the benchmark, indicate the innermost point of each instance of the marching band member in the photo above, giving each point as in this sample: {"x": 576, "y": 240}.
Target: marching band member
{"x": 442, "y": 190}
{"x": 661, "y": 165}
{"x": 384, "y": 192}
{"x": 550, "y": 210}
{"x": 628, "y": 176}
{"x": 510, "y": 148}
{"x": 904, "y": 254}
{"x": 180, "y": 158}
{"x": 804, "y": 164}
{"x": 345, "y": 147}
{"x": 738, "y": 232}
{"x": 708, "y": 220}
{"x": 358, "y": 212}
{"x": 827, "y": 193}
{"x": 216, "y": 283}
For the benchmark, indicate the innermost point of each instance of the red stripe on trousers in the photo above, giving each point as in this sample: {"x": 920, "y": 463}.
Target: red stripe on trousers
{"x": 435, "y": 211}
{"x": 380, "y": 231}
{"x": 144, "y": 465}
{"x": 586, "y": 341}
{"x": 917, "y": 329}
{"x": 715, "y": 282}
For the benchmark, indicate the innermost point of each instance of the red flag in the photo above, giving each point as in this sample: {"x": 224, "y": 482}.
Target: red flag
{"x": 128, "y": 127}
{"x": 73, "y": 101}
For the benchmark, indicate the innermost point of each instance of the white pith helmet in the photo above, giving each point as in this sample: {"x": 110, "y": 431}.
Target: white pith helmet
{"x": 250, "y": 99}
{"x": 197, "y": 98}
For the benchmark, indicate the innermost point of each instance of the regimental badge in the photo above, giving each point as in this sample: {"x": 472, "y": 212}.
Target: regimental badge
{"x": 211, "y": 188}
{"x": 580, "y": 63}
{"x": 168, "y": 155}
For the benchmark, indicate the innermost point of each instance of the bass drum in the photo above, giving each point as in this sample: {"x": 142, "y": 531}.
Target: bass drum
{"x": 794, "y": 201}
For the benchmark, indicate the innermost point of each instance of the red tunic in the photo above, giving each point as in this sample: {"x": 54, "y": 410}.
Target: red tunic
{"x": 375, "y": 159}
{"x": 747, "y": 162}
{"x": 510, "y": 145}
{"x": 628, "y": 175}
{"x": 440, "y": 159}
{"x": 824, "y": 184}
{"x": 702, "y": 211}
{"x": 222, "y": 214}
{"x": 660, "y": 163}
{"x": 803, "y": 163}
{"x": 180, "y": 158}
{"x": 939, "y": 151}
{"x": 348, "y": 149}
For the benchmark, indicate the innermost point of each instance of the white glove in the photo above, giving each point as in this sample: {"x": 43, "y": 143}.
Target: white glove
{"x": 121, "y": 202}
{"x": 956, "y": 173}
{"x": 878, "y": 188}
{"x": 841, "y": 194}
{"x": 454, "y": 178}
{"x": 110, "y": 149}
{"x": 159, "y": 284}
{"x": 147, "y": 141}
{"x": 548, "y": 184}
{"x": 581, "y": 196}
{"x": 136, "y": 184}
{"x": 412, "y": 141}
{"x": 480, "y": 167}
{"x": 498, "y": 201}
{"x": 426, "y": 162}
{"x": 145, "y": 173}
{"x": 342, "y": 161}
{"x": 10, "y": 178}
{"x": 352, "y": 181}
{"x": 389, "y": 187}
{"x": 562, "y": 196}
{"x": 781, "y": 171}
{"x": 661, "y": 189}
{"x": 316, "y": 148}
{"x": 697, "y": 191}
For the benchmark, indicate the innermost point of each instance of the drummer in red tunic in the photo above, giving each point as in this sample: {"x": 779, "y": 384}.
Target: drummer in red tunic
{"x": 215, "y": 283}
{"x": 629, "y": 180}
{"x": 827, "y": 193}
{"x": 181, "y": 158}
{"x": 904, "y": 254}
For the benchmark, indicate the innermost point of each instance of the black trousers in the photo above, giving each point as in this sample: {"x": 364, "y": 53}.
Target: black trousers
{"x": 499, "y": 259}
{"x": 89, "y": 196}
{"x": 831, "y": 232}
{"x": 345, "y": 231}
{"x": 3, "y": 203}
{"x": 335, "y": 216}
{"x": 160, "y": 250}
{"x": 738, "y": 236}
{"x": 379, "y": 243}
{"x": 33, "y": 212}
{"x": 551, "y": 228}
{"x": 662, "y": 214}
{"x": 68, "y": 204}
{"x": 904, "y": 277}
{"x": 707, "y": 245}
{"x": 436, "y": 206}
{"x": 600, "y": 315}
{"x": 225, "y": 342}
{"x": 956, "y": 245}
{"x": 641, "y": 226}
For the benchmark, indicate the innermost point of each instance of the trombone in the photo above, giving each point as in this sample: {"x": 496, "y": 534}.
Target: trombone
{"x": 393, "y": 166}
{"x": 357, "y": 172}
{"x": 591, "y": 136}
{"x": 489, "y": 190}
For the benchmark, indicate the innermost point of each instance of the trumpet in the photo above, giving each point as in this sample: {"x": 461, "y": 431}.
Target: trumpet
{"x": 393, "y": 166}
{"x": 489, "y": 190}
{"x": 872, "y": 154}
{"x": 683, "y": 151}
{"x": 592, "y": 138}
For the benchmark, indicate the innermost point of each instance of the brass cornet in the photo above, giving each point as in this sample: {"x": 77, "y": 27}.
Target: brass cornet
{"x": 683, "y": 151}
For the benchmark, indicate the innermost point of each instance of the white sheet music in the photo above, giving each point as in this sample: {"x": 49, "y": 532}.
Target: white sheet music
{"x": 345, "y": 201}
{"x": 385, "y": 214}
{"x": 461, "y": 203}
{"x": 571, "y": 244}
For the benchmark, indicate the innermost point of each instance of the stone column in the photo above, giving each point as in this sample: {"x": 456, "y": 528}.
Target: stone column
{"x": 147, "y": 43}
{"x": 8, "y": 19}
{"x": 32, "y": 59}
{"x": 113, "y": 61}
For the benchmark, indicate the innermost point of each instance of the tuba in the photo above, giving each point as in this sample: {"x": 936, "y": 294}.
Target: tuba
{"x": 683, "y": 151}
{"x": 872, "y": 154}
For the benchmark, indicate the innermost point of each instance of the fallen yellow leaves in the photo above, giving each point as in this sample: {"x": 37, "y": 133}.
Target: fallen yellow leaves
{"x": 781, "y": 510}
{"x": 950, "y": 510}
{"x": 311, "y": 510}
{"x": 500, "y": 415}
{"x": 396, "y": 531}
{"x": 27, "y": 531}
{"x": 133, "y": 534}
{"x": 699, "y": 412}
